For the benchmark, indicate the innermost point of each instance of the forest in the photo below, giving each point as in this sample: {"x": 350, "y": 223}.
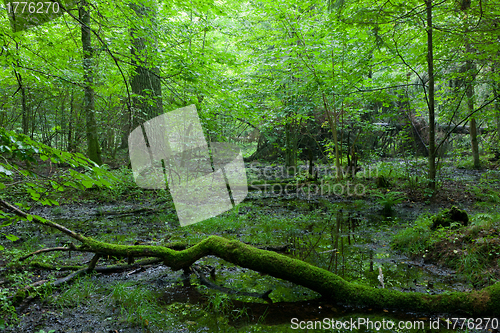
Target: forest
{"x": 250, "y": 166}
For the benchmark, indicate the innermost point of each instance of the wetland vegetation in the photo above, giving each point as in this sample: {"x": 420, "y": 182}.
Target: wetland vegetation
{"x": 369, "y": 134}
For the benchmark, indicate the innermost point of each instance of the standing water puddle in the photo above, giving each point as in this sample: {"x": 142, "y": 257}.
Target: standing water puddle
{"x": 345, "y": 238}
{"x": 348, "y": 243}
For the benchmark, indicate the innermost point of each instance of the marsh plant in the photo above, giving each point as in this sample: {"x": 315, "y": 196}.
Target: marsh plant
{"x": 389, "y": 200}
{"x": 220, "y": 305}
{"x": 8, "y": 314}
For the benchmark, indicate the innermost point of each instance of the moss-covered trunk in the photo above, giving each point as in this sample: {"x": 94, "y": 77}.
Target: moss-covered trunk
{"x": 478, "y": 303}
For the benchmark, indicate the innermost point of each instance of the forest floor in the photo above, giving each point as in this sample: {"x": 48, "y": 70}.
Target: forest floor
{"x": 157, "y": 299}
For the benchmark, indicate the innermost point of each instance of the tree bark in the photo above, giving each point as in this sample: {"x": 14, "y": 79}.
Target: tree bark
{"x": 333, "y": 127}
{"x": 93, "y": 150}
{"x": 474, "y": 144}
{"x": 145, "y": 81}
{"x": 71, "y": 124}
{"x": 430, "y": 101}
{"x": 291, "y": 141}
{"x": 478, "y": 303}
{"x": 469, "y": 89}
{"x": 25, "y": 111}
{"x": 496, "y": 91}
{"x": 472, "y": 128}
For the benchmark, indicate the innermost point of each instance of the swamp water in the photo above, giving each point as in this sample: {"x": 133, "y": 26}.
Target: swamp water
{"x": 349, "y": 239}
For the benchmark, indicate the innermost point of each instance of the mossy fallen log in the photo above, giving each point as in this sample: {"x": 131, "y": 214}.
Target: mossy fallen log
{"x": 479, "y": 303}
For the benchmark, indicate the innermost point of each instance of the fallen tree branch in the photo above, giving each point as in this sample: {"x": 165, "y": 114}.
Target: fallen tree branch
{"x": 61, "y": 248}
{"x": 100, "y": 269}
{"x": 481, "y": 302}
{"x": 23, "y": 295}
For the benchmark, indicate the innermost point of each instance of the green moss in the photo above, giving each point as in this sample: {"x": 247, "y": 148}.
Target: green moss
{"x": 42, "y": 265}
{"x": 19, "y": 297}
{"x": 494, "y": 295}
{"x": 449, "y": 216}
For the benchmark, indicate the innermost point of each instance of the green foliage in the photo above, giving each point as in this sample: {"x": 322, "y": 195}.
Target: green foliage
{"x": 471, "y": 251}
{"x": 219, "y": 304}
{"x": 452, "y": 217}
{"x": 473, "y": 263}
{"x": 388, "y": 200}
{"x": 414, "y": 240}
{"x": 484, "y": 221}
{"x": 124, "y": 187}
{"x": 79, "y": 292}
{"x": 139, "y": 305}
{"x": 21, "y": 156}
{"x": 8, "y": 314}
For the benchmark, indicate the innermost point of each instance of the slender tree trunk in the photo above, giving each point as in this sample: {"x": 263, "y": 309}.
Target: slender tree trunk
{"x": 24, "y": 106}
{"x": 496, "y": 91}
{"x": 71, "y": 120}
{"x": 333, "y": 127}
{"x": 93, "y": 151}
{"x": 469, "y": 90}
{"x": 473, "y": 140}
{"x": 431, "y": 106}
{"x": 25, "y": 117}
{"x": 470, "y": 105}
{"x": 497, "y": 103}
{"x": 333, "y": 121}
{"x": 25, "y": 111}
{"x": 291, "y": 148}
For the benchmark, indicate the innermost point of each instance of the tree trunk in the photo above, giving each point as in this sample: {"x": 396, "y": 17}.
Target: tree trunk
{"x": 470, "y": 105}
{"x": 145, "y": 82}
{"x": 484, "y": 302}
{"x": 430, "y": 71}
{"x": 71, "y": 122}
{"x": 333, "y": 127}
{"x": 498, "y": 118}
{"x": 24, "y": 107}
{"x": 496, "y": 91}
{"x": 473, "y": 140}
{"x": 291, "y": 148}
{"x": 93, "y": 151}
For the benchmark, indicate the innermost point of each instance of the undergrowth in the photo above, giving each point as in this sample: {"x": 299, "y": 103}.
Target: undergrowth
{"x": 473, "y": 251}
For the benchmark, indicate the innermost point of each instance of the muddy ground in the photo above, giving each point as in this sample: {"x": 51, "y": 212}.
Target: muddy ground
{"x": 186, "y": 308}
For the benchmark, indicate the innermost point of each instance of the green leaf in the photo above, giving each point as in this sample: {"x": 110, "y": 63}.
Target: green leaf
{"x": 12, "y": 238}
{"x": 34, "y": 195}
{"x": 46, "y": 202}
{"x": 105, "y": 182}
{"x": 88, "y": 183}
{"x": 2, "y": 186}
